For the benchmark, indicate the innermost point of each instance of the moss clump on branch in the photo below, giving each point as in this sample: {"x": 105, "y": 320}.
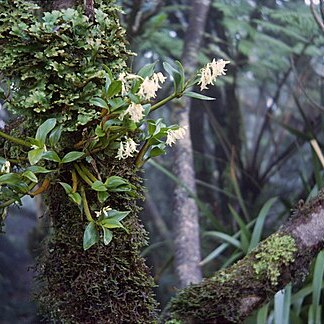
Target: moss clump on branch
{"x": 221, "y": 298}
{"x": 277, "y": 251}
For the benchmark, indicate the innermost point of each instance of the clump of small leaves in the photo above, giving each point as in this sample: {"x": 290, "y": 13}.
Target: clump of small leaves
{"x": 275, "y": 252}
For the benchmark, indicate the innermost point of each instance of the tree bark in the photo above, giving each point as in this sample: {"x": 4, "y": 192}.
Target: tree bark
{"x": 233, "y": 294}
{"x": 89, "y": 8}
{"x": 186, "y": 225}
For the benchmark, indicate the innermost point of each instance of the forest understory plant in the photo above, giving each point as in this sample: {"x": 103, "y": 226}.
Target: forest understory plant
{"x": 83, "y": 133}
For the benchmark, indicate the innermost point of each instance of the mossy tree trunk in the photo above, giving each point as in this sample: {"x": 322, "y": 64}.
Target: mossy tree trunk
{"x": 105, "y": 284}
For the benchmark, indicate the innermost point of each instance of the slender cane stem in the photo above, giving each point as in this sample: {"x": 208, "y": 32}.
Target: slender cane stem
{"x": 139, "y": 159}
{"x": 88, "y": 173}
{"x": 15, "y": 139}
{"x": 82, "y": 175}
{"x": 85, "y": 205}
{"x": 164, "y": 101}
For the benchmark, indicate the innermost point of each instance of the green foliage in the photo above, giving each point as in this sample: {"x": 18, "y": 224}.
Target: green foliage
{"x": 55, "y": 61}
{"x": 66, "y": 71}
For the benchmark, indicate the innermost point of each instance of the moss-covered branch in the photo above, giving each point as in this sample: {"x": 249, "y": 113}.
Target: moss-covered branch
{"x": 233, "y": 294}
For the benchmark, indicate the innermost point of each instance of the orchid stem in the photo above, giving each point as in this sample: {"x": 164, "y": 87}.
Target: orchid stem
{"x": 139, "y": 159}
{"x": 85, "y": 205}
{"x": 164, "y": 101}
{"x": 82, "y": 175}
{"x": 88, "y": 173}
{"x": 15, "y": 140}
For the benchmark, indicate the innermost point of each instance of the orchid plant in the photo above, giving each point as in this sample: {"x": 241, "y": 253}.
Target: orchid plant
{"x": 123, "y": 130}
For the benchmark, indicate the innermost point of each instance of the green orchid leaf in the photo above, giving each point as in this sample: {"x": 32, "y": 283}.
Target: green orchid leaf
{"x": 55, "y": 135}
{"x": 44, "y": 129}
{"x": 111, "y": 122}
{"x": 51, "y": 156}
{"x": 107, "y": 83}
{"x": 180, "y": 69}
{"x": 124, "y": 188}
{"x": 75, "y": 197}
{"x": 102, "y": 196}
{"x": 35, "y": 155}
{"x": 67, "y": 187}
{"x": 111, "y": 223}
{"x": 115, "y": 88}
{"x": 197, "y": 96}
{"x": 90, "y": 236}
{"x": 10, "y": 179}
{"x": 20, "y": 187}
{"x": 98, "y": 186}
{"x": 157, "y": 150}
{"x": 72, "y": 156}
{"x": 108, "y": 235}
{"x": 30, "y": 175}
{"x": 99, "y": 102}
{"x": 99, "y": 131}
{"x": 39, "y": 169}
{"x": 175, "y": 75}
{"x": 116, "y": 103}
{"x": 147, "y": 70}
{"x": 109, "y": 73}
{"x": 115, "y": 181}
{"x": 117, "y": 215}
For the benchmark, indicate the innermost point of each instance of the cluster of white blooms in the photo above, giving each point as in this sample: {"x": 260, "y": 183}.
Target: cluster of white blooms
{"x": 125, "y": 79}
{"x": 211, "y": 71}
{"x": 174, "y": 135}
{"x": 5, "y": 167}
{"x": 150, "y": 86}
{"x": 37, "y": 147}
{"x": 104, "y": 211}
{"x": 126, "y": 149}
{"x": 135, "y": 111}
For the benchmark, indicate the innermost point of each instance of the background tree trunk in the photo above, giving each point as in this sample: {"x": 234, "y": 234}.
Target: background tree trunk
{"x": 186, "y": 225}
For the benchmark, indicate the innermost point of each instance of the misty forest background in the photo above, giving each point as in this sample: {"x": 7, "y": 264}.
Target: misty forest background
{"x": 256, "y": 147}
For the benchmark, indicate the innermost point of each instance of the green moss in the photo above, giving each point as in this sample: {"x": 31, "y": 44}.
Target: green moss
{"x": 173, "y": 321}
{"x": 275, "y": 252}
{"x": 105, "y": 284}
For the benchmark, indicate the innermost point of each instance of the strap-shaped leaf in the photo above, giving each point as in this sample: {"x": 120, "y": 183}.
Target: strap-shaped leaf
{"x": 196, "y": 95}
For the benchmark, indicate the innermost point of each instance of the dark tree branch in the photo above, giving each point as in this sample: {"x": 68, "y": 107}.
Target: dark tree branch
{"x": 317, "y": 17}
{"x": 89, "y": 8}
{"x": 274, "y": 102}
